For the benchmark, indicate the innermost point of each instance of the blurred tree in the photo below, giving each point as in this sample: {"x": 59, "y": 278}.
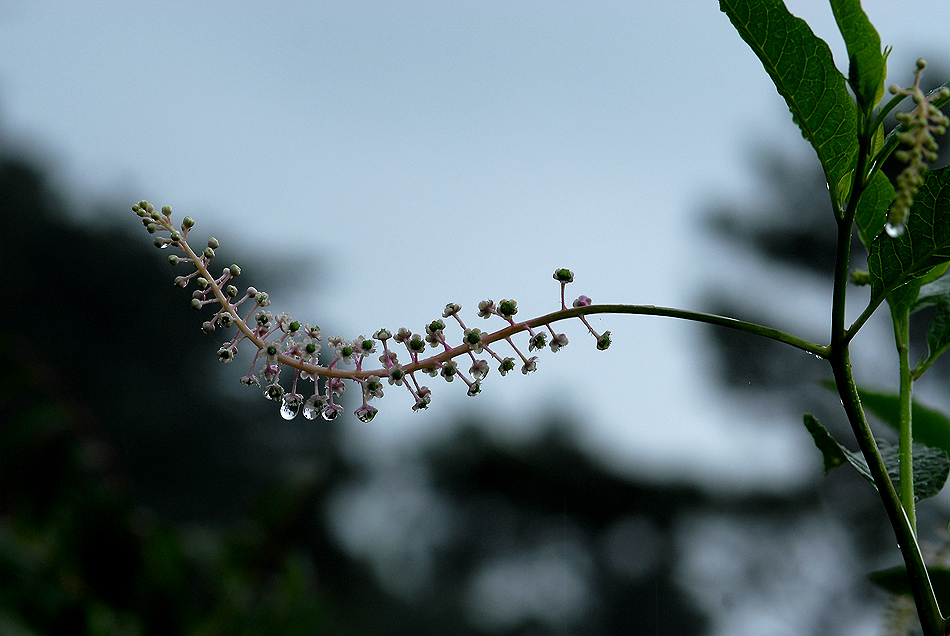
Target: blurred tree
{"x": 137, "y": 498}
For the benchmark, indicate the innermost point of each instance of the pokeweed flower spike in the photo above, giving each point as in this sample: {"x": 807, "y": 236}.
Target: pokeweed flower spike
{"x": 287, "y": 351}
{"x": 920, "y": 147}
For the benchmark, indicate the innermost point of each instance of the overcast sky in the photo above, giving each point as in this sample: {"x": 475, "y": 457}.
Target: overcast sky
{"x": 414, "y": 154}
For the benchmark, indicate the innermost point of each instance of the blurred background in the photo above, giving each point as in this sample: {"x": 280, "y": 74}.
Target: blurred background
{"x": 361, "y": 162}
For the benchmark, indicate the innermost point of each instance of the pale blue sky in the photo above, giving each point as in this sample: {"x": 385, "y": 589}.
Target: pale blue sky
{"x": 427, "y": 152}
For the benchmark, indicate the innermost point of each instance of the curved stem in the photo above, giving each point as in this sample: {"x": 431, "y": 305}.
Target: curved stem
{"x": 712, "y": 319}
{"x": 576, "y": 312}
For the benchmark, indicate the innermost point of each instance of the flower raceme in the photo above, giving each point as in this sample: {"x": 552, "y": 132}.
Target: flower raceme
{"x": 289, "y": 348}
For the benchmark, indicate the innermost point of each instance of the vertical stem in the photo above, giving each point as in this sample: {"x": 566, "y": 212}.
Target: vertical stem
{"x": 931, "y": 620}
{"x": 905, "y": 430}
{"x": 928, "y": 610}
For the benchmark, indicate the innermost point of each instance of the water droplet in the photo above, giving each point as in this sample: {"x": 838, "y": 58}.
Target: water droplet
{"x": 289, "y": 409}
{"x": 310, "y": 411}
{"x": 164, "y": 245}
{"x": 331, "y": 412}
{"x": 894, "y": 230}
{"x": 366, "y": 413}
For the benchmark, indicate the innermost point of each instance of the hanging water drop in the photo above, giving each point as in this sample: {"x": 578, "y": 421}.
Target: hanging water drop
{"x": 331, "y": 412}
{"x": 894, "y": 230}
{"x": 366, "y": 413}
{"x": 310, "y": 411}
{"x": 289, "y": 408}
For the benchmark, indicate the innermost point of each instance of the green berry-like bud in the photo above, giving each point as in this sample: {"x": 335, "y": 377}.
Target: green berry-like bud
{"x": 921, "y": 64}
{"x": 202, "y": 282}
{"x": 860, "y": 277}
{"x": 173, "y": 260}
{"x": 151, "y": 227}
{"x": 294, "y": 326}
{"x": 160, "y": 242}
{"x": 166, "y": 210}
{"x": 209, "y": 253}
{"x": 604, "y": 341}
{"x": 149, "y": 208}
{"x": 213, "y": 243}
{"x": 231, "y": 291}
{"x": 508, "y": 308}
{"x": 195, "y": 303}
{"x": 564, "y": 275}
{"x": 207, "y": 326}
{"x": 187, "y": 223}
{"x": 235, "y": 270}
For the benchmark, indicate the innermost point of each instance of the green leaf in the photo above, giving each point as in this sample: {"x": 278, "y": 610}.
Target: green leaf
{"x": 931, "y": 465}
{"x": 904, "y": 297}
{"x": 802, "y": 68}
{"x": 938, "y": 332}
{"x": 834, "y": 454}
{"x": 872, "y": 208}
{"x": 932, "y": 294}
{"x": 867, "y": 68}
{"x": 931, "y": 468}
{"x": 930, "y": 427}
{"x": 894, "y": 580}
{"x": 893, "y": 261}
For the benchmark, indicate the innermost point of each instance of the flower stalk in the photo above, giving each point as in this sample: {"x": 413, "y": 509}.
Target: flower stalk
{"x": 284, "y": 343}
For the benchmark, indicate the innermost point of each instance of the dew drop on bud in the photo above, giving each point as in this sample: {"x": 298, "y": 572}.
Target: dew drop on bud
{"x": 366, "y": 414}
{"x": 331, "y": 412}
{"x": 310, "y": 411}
{"x": 289, "y": 408}
{"x": 894, "y": 230}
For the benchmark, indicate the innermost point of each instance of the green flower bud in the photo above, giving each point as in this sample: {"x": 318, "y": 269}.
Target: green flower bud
{"x": 187, "y": 223}
{"x": 860, "y": 277}
{"x": 564, "y": 275}
{"x": 213, "y": 243}
{"x": 235, "y": 270}
{"x": 209, "y": 252}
